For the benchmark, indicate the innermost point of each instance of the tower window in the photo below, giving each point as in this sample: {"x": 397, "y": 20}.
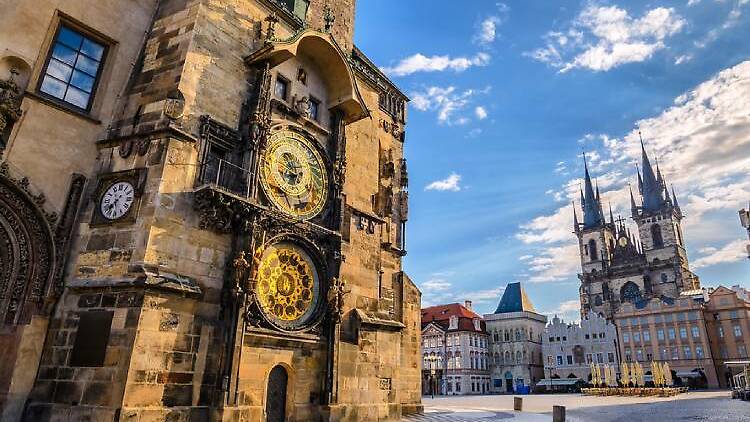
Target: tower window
{"x": 592, "y": 250}
{"x": 314, "y": 109}
{"x": 656, "y": 236}
{"x": 72, "y": 68}
{"x": 281, "y": 89}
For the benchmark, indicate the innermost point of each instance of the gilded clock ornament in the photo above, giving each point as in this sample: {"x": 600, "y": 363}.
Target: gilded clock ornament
{"x": 623, "y": 241}
{"x": 293, "y": 175}
{"x": 117, "y": 200}
{"x": 288, "y": 285}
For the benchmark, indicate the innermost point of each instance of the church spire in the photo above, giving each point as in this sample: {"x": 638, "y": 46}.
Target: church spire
{"x": 592, "y": 215}
{"x": 611, "y": 217}
{"x": 633, "y": 206}
{"x": 576, "y": 226}
{"x": 659, "y": 177}
{"x": 640, "y": 180}
{"x": 652, "y": 191}
{"x": 676, "y": 204}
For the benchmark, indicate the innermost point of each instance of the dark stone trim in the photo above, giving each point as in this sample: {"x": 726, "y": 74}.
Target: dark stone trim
{"x": 172, "y": 132}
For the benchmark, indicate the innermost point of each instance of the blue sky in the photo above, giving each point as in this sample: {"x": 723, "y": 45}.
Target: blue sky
{"x": 505, "y": 96}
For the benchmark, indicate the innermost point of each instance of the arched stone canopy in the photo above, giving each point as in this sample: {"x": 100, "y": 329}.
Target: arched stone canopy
{"x": 322, "y": 50}
{"x": 27, "y": 252}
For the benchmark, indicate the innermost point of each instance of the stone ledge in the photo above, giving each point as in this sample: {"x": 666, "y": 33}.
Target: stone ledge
{"x": 263, "y": 333}
{"x": 377, "y": 321}
{"x": 146, "y": 276}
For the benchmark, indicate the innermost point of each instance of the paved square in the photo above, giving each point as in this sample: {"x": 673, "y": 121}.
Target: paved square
{"x": 694, "y": 406}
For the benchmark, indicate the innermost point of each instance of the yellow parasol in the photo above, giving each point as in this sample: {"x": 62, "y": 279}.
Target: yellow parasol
{"x": 667, "y": 374}
{"x": 625, "y": 375}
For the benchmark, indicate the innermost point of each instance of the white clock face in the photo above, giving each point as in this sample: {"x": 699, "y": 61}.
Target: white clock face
{"x": 117, "y": 200}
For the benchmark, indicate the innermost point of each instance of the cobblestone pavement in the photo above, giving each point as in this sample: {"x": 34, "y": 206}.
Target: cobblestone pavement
{"x": 694, "y": 406}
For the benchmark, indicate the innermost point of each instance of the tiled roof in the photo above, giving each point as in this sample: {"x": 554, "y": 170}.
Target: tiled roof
{"x": 441, "y": 314}
{"x": 514, "y": 300}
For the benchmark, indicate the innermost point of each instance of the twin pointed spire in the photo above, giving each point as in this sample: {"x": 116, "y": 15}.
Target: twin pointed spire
{"x": 653, "y": 187}
{"x": 591, "y": 202}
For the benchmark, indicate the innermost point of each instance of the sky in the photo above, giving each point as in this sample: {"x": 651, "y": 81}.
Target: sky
{"x": 505, "y": 97}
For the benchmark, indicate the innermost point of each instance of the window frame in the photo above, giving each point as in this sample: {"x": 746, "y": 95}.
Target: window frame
{"x": 84, "y": 32}
{"x": 287, "y": 84}
{"x": 315, "y": 103}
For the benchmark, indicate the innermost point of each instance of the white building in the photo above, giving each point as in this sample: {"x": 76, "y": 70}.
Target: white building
{"x": 516, "y": 332}
{"x": 569, "y": 348}
{"x": 455, "y": 351}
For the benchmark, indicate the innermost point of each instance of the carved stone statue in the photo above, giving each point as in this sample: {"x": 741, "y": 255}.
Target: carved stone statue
{"x": 10, "y": 102}
{"x": 272, "y": 20}
{"x": 335, "y": 298}
{"x": 241, "y": 273}
{"x": 302, "y": 106}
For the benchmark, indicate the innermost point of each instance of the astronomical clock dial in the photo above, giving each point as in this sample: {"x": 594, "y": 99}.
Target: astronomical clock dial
{"x": 623, "y": 241}
{"x": 293, "y": 175}
{"x": 288, "y": 285}
{"x": 117, "y": 200}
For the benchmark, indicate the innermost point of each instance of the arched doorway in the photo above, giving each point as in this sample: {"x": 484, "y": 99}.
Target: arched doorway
{"x": 27, "y": 252}
{"x": 508, "y": 382}
{"x": 276, "y": 395}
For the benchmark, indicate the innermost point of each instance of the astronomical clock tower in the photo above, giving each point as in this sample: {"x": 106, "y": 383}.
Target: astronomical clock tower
{"x": 238, "y": 253}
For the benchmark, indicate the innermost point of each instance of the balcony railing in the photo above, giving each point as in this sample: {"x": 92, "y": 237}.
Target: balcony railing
{"x": 226, "y": 176}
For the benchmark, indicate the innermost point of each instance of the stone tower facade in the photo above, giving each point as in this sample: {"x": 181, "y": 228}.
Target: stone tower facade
{"x": 619, "y": 266}
{"x": 515, "y": 330}
{"x": 231, "y": 243}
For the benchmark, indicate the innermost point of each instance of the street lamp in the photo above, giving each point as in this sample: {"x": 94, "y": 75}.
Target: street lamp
{"x": 432, "y": 359}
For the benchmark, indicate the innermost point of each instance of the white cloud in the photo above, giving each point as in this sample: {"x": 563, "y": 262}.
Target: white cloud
{"x": 450, "y": 183}
{"x": 435, "y": 285}
{"x": 703, "y": 146}
{"x": 421, "y": 63}
{"x": 440, "y": 292}
{"x": 731, "y": 252}
{"x": 554, "y": 263}
{"x": 480, "y": 112}
{"x": 488, "y": 27}
{"x": 732, "y": 19}
{"x": 568, "y": 310}
{"x": 683, "y": 59}
{"x": 447, "y": 101}
{"x": 604, "y": 37}
{"x": 488, "y": 30}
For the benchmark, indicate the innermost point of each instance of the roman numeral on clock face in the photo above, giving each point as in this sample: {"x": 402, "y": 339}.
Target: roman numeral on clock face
{"x": 117, "y": 200}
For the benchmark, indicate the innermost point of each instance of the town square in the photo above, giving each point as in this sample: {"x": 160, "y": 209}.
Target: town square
{"x": 374, "y": 210}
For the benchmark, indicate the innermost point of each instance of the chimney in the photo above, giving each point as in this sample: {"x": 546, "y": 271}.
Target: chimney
{"x": 467, "y": 304}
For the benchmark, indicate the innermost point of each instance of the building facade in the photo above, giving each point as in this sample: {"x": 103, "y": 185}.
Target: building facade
{"x": 455, "y": 351}
{"x": 182, "y": 234}
{"x": 727, "y": 316}
{"x": 622, "y": 267}
{"x": 516, "y": 342}
{"x": 570, "y": 348}
{"x": 671, "y": 330}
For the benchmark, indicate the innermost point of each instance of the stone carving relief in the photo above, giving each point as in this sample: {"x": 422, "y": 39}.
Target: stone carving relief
{"x": 10, "y": 102}
{"x": 27, "y": 250}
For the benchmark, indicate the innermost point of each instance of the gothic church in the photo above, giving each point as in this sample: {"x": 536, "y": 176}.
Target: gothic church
{"x": 619, "y": 266}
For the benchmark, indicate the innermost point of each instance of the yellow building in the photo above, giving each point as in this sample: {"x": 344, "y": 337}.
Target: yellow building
{"x": 202, "y": 215}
